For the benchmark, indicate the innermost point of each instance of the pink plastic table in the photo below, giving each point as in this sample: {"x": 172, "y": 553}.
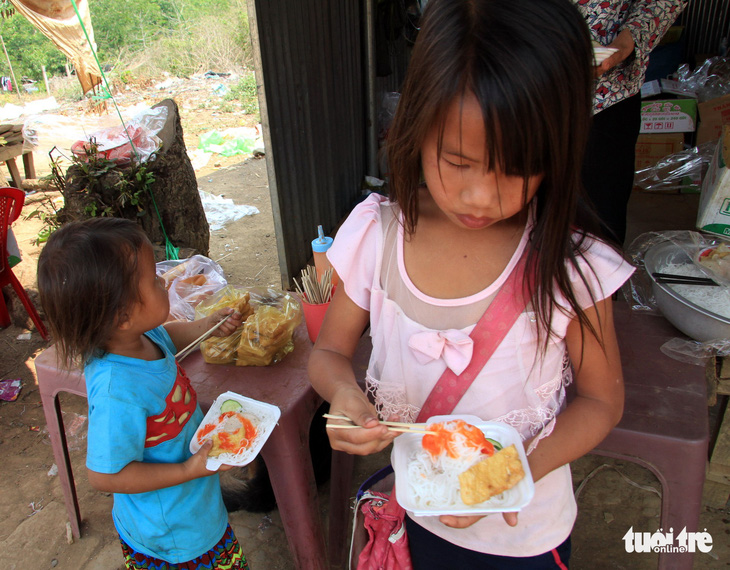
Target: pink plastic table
{"x": 664, "y": 428}
{"x": 286, "y": 452}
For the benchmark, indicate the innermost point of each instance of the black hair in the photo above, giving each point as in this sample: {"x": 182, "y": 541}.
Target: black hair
{"x": 529, "y": 63}
{"x": 87, "y": 280}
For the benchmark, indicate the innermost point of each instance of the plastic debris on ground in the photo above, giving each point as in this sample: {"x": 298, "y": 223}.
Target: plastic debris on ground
{"x": 219, "y": 89}
{"x": 10, "y": 389}
{"x": 230, "y": 142}
{"x": 219, "y": 210}
{"x": 10, "y": 112}
{"x": 199, "y": 158}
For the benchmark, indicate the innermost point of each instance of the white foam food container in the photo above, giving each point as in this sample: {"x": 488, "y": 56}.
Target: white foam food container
{"x": 512, "y": 500}
{"x": 600, "y": 53}
{"x": 262, "y": 415}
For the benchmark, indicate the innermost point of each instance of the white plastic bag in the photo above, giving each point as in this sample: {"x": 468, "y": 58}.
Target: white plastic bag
{"x": 190, "y": 281}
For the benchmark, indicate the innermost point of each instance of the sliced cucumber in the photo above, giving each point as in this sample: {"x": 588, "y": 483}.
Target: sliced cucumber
{"x": 230, "y": 406}
{"x": 495, "y": 443}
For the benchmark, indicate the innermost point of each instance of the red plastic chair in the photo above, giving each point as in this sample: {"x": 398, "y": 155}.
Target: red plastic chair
{"x": 11, "y": 203}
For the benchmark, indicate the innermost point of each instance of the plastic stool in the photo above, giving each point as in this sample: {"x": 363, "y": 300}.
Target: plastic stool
{"x": 286, "y": 452}
{"x": 665, "y": 418}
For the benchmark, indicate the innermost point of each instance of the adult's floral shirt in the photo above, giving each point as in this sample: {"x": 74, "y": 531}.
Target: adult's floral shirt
{"x": 647, "y": 20}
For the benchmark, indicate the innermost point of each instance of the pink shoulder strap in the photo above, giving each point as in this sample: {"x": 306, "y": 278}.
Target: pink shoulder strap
{"x": 487, "y": 335}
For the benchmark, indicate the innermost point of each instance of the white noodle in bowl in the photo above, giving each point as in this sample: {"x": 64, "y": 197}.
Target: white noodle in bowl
{"x": 713, "y": 299}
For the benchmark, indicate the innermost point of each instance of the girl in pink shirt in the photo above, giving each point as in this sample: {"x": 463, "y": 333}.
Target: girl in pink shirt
{"x": 485, "y": 154}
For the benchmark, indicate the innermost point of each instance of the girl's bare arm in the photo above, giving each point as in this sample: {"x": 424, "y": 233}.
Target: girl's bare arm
{"x": 331, "y": 374}
{"x": 183, "y": 333}
{"x": 598, "y": 404}
{"x": 138, "y": 477}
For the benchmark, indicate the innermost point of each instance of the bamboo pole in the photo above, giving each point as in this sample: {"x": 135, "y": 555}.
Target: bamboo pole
{"x": 12, "y": 73}
{"x": 45, "y": 79}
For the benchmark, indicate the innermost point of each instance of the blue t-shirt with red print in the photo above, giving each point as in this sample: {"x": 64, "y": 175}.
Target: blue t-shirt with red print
{"x": 147, "y": 411}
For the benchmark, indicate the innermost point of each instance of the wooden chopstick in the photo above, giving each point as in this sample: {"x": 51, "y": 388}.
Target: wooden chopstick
{"x": 390, "y": 428}
{"x": 189, "y": 348}
{"x": 393, "y": 426}
{"x": 683, "y": 279}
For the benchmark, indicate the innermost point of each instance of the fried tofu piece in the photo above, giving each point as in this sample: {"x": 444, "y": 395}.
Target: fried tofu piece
{"x": 491, "y": 476}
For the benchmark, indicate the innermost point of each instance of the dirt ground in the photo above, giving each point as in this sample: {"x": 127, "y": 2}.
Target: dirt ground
{"x": 33, "y": 524}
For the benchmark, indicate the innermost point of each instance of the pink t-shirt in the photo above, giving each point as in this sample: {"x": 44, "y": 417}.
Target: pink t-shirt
{"x": 415, "y": 337}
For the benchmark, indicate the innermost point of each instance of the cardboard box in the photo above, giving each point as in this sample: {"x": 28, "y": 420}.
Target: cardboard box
{"x": 651, "y": 148}
{"x": 650, "y": 89}
{"x": 713, "y": 115}
{"x": 668, "y": 116}
{"x": 714, "y": 211}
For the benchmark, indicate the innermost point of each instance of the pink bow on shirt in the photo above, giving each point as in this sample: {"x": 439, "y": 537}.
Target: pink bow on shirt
{"x": 453, "y": 346}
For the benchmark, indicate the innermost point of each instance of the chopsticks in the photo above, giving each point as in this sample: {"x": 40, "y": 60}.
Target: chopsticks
{"x": 193, "y": 345}
{"x": 673, "y": 279}
{"x": 315, "y": 292}
{"x": 392, "y": 426}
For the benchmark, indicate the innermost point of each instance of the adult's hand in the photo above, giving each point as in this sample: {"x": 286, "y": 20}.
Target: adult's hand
{"x": 624, "y": 43}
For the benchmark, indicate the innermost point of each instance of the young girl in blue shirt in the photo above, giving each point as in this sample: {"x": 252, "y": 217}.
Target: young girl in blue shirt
{"x": 107, "y": 310}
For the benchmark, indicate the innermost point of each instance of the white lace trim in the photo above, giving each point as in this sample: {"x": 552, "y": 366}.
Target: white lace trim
{"x": 390, "y": 400}
{"x": 541, "y": 420}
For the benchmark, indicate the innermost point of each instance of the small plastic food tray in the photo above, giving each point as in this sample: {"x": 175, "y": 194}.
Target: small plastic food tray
{"x": 512, "y": 500}
{"x": 263, "y": 416}
{"x": 600, "y": 53}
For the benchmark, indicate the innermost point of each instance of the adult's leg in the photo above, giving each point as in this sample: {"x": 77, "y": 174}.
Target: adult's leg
{"x": 608, "y": 167}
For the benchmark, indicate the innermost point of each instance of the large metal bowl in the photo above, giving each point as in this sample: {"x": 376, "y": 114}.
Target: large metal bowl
{"x": 694, "y": 321}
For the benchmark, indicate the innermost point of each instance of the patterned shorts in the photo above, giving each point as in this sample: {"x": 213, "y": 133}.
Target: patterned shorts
{"x": 226, "y": 555}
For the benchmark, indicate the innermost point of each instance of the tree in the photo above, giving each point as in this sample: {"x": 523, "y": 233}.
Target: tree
{"x": 28, "y": 49}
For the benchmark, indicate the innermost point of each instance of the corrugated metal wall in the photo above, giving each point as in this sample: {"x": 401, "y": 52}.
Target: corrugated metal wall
{"x": 312, "y": 112}
{"x": 706, "y": 22}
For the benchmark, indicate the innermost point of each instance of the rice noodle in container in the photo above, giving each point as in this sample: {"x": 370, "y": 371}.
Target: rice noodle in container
{"x": 428, "y": 485}
{"x": 238, "y": 426}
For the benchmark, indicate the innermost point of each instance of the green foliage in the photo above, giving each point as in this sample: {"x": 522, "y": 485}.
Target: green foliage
{"x": 107, "y": 195}
{"x": 28, "y": 50}
{"x": 246, "y": 92}
{"x": 47, "y": 213}
{"x": 177, "y": 36}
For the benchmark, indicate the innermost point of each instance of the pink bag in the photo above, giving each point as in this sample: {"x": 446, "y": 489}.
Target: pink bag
{"x": 385, "y": 544}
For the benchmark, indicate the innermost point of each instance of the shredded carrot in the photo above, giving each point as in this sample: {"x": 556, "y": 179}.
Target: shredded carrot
{"x": 443, "y": 440}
